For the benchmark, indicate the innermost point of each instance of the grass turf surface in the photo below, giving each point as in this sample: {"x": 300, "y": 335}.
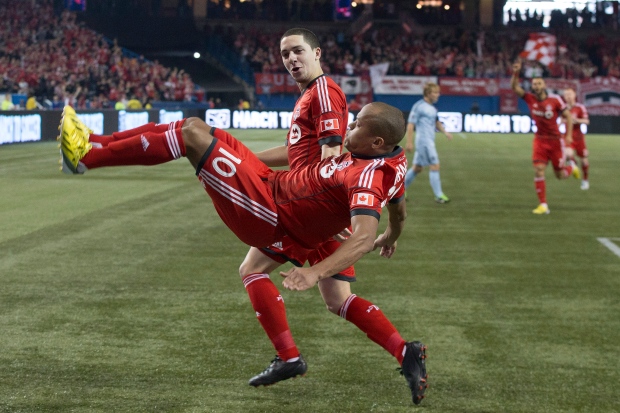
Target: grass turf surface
{"x": 120, "y": 293}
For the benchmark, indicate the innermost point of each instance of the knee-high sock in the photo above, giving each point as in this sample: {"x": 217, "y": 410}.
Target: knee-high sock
{"x": 435, "y": 180}
{"x": 585, "y": 167}
{"x": 370, "y": 319}
{"x": 409, "y": 177}
{"x": 105, "y": 140}
{"x": 271, "y": 313}
{"x": 149, "y": 148}
{"x": 568, "y": 169}
{"x": 541, "y": 189}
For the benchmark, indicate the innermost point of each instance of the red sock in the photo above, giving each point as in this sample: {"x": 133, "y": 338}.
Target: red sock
{"x": 271, "y": 313}
{"x": 105, "y": 140}
{"x": 148, "y": 148}
{"x": 568, "y": 169}
{"x": 585, "y": 167}
{"x": 541, "y": 190}
{"x": 371, "y": 320}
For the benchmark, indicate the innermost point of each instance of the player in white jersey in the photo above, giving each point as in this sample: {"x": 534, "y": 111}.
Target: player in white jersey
{"x": 423, "y": 120}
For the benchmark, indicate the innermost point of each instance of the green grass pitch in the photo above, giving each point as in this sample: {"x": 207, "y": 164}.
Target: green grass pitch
{"x": 119, "y": 292}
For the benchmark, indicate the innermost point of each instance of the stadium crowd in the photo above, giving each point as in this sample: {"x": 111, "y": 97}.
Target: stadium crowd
{"x": 60, "y": 61}
{"x": 48, "y": 54}
{"x": 435, "y": 51}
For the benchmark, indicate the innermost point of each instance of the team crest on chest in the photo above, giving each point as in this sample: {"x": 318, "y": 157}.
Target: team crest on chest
{"x": 548, "y": 112}
{"x": 294, "y": 134}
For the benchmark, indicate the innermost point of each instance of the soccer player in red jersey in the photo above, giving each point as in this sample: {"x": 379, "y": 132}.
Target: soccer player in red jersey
{"x": 318, "y": 125}
{"x": 548, "y": 145}
{"x": 580, "y": 117}
{"x": 263, "y": 207}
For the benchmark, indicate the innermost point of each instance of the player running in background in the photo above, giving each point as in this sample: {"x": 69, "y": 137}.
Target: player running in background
{"x": 262, "y": 206}
{"x": 548, "y": 145}
{"x": 423, "y": 120}
{"x": 580, "y": 117}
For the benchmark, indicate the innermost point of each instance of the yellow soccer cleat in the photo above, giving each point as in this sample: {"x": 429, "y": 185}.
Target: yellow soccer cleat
{"x": 68, "y": 111}
{"x": 74, "y": 146}
{"x": 541, "y": 209}
{"x": 575, "y": 171}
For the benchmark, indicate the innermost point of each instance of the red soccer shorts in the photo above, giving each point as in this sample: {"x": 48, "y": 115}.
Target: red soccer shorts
{"x": 233, "y": 177}
{"x": 288, "y": 251}
{"x": 579, "y": 146}
{"x": 546, "y": 150}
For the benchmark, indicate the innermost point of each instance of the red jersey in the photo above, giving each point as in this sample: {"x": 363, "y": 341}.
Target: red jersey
{"x": 320, "y": 117}
{"x": 578, "y": 111}
{"x": 545, "y": 114}
{"x": 318, "y": 201}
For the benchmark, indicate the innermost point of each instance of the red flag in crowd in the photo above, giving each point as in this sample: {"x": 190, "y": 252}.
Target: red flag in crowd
{"x": 540, "y": 47}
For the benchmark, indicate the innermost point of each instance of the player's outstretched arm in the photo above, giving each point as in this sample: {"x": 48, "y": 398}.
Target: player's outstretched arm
{"x": 514, "y": 81}
{"x": 355, "y": 247}
{"x": 387, "y": 240}
{"x": 273, "y": 157}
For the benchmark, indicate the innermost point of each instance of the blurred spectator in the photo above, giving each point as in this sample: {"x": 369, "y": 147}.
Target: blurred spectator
{"x": 134, "y": 103}
{"x": 7, "y": 103}
{"x": 31, "y": 102}
{"x": 243, "y": 104}
{"x": 121, "y": 104}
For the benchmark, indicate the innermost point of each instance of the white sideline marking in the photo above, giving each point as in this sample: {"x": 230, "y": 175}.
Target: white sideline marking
{"x": 613, "y": 247}
{"x": 462, "y": 135}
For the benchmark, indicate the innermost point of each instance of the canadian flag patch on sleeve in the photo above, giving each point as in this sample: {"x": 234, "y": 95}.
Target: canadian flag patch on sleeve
{"x": 363, "y": 199}
{"x": 329, "y": 124}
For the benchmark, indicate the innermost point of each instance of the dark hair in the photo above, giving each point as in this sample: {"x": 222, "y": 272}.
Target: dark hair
{"x": 308, "y": 36}
{"x": 388, "y": 122}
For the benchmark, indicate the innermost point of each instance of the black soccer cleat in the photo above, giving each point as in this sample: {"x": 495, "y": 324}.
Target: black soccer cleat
{"x": 414, "y": 370}
{"x": 279, "y": 370}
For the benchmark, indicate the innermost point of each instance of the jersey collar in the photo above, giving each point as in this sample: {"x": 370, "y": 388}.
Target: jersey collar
{"x": 397, "y": 151}
{"x": 312, "y": 82}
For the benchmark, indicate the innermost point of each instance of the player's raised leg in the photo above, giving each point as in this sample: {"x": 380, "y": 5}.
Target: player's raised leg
{"x": 148, "y": 148}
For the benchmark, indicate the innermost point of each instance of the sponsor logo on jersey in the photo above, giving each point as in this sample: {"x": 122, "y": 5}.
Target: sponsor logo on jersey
{"x": 363, "y": 199}
{"x": 329, "y": 124}
{"x": 343, "y": 165}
